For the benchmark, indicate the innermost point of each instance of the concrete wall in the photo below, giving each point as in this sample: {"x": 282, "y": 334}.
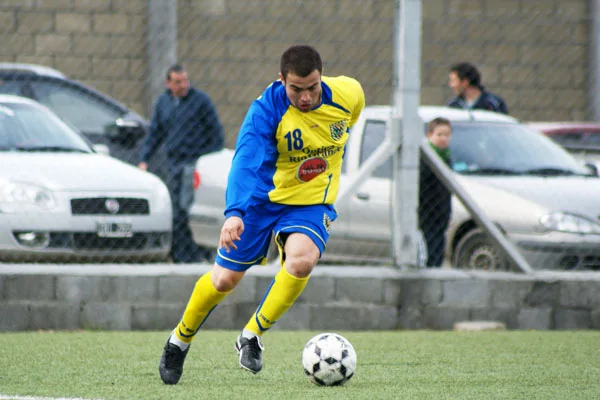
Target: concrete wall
{"x": 531, "y": 52}
{"x": 98, "y": 42}
{"x": 152, "y": 297}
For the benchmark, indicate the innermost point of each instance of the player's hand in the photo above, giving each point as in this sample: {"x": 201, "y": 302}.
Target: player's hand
{"x": 231, "y": 232}
{"x": 143, "y": 166}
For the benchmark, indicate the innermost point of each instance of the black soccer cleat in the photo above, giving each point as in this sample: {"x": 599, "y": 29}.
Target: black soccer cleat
{"x": 171, "y": 363}
{"x": 250, "y": 351}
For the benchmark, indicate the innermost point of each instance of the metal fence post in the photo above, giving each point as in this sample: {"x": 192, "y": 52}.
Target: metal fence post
{"x": 161, "y": 39}
{"x": 406, "y": 99}
{"x": 594, "y": 63}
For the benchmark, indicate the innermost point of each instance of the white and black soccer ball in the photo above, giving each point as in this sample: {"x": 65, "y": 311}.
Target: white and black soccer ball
{"x": 329, "y": 359}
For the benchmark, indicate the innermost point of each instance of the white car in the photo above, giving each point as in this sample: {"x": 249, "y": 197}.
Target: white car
{"x": 539, "y": 196}
{"x": 60, "y": 200}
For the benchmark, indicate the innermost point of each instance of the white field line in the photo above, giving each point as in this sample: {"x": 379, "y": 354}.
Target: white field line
{"x": 7, "y": 397}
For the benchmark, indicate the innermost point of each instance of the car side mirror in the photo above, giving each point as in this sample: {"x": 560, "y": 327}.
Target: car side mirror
{"x": 126, "y": 132}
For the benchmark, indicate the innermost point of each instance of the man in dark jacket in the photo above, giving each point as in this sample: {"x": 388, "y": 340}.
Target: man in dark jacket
{"x": 186, "y": 121}
{"x": 465, "y": 81}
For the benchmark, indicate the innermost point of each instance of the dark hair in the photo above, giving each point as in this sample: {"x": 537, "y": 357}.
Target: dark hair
{"x": 177, "y": 68}
{"x": 467, "y": 71}
{"x": 301, "y": 60}
{"x": 434, "y": 123}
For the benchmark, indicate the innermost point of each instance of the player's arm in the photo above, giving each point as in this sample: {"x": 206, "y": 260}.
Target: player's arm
{"x": 231, "y": 232}
{"x": 253, "y": 139}
{"x": 349, "y": 93}
{"x": 243, "y": 175}
{"x": 359, "y": 102}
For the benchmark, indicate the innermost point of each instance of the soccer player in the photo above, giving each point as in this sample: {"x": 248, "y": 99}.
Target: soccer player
{"x": 284, "y": 179}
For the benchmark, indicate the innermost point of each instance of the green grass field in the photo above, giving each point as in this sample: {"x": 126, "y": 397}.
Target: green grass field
{"x": 391, "y": 365}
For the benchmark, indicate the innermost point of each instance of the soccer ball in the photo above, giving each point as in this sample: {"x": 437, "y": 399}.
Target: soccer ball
{"x": 329, "y": 359}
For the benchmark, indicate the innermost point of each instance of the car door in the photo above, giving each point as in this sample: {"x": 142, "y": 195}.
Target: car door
{"x": 369, "y": 208}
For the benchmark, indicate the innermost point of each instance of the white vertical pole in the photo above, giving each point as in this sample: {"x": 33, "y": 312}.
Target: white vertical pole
{"x": 593, "y": 109}
{"x": 161, "y": 37}
{"x": 407, "y": 131}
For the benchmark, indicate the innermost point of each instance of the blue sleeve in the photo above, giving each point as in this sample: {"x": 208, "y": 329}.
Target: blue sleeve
{"x": 255, "y": 136}
{"x": 155, "y": 136}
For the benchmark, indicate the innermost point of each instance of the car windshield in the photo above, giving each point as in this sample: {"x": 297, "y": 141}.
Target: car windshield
{"x": 26, "y": 127}
{"x": 508, "y": 149}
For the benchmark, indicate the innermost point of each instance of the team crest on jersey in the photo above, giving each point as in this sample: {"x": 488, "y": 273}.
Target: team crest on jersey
{"x": 337, "y": 129}
{"x": 326, "y": 222}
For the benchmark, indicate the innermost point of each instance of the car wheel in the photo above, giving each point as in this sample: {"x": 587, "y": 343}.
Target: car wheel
{"x": 477, "y": 251}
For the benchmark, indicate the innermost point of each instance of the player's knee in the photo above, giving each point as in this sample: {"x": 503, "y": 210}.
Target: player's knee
{"x": 224, "y": 283}
{"x": 224, "y": 279}
{"x": 301, "y": 265}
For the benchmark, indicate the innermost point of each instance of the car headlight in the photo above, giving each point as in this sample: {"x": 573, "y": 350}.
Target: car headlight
{"x": 19, "y": 197}
{"x": 565, "y": 222}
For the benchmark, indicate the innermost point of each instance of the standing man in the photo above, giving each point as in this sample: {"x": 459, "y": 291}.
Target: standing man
{"x": 284, "y": 179}
{"x": 464, "y": 79}
{"x": 186, "y": 120}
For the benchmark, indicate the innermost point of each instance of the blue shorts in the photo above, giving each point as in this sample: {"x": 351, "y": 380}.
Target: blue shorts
{"x": 260, "y": 222}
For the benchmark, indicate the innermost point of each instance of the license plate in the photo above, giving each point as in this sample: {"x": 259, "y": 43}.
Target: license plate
{"x": 114, "y": 229}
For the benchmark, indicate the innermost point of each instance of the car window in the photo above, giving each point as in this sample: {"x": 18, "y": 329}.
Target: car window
{"x": 593, "y": 139}
{"x": 10, "y": 87}
{"x": 24, "y": 127}
{"x": 373, "y": 135}
{"x": 566, "y": 139}
{"x": 485, "y": 147}
{"x": 80, "y": 109}
{"x": 509, "y": 147}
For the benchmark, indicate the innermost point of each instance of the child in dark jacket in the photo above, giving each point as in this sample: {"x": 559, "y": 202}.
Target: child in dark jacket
{"x": 434, "y": 197}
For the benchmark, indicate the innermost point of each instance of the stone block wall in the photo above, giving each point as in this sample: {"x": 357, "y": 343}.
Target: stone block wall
{"x": 153, "y": 297}
{"x": 98, "y": 42}
{"x": 531, "y": 52}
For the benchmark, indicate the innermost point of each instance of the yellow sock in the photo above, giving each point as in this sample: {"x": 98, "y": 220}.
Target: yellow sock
{"x": 204, "y": 299}
{"x": 280, "y": 296}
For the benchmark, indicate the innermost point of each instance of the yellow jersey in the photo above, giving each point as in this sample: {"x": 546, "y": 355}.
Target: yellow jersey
{"x": 290, "y": 157}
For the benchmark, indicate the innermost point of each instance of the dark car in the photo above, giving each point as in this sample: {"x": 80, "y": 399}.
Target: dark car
{"x": 100, "y": 118}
